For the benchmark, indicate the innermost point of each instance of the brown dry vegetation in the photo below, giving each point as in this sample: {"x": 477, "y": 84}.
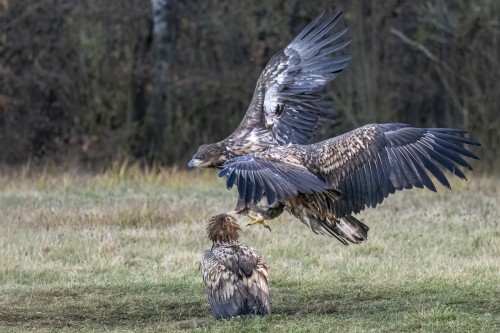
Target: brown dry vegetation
{"x": 119, "y": 252}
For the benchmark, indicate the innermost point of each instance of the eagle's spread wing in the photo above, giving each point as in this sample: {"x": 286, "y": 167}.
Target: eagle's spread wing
{"x": 373, "y": 161}
{"x": 288, "y": 98}
{"x": 363, "y": 166}
{"x": 235, "y": 281}
{"x": 259, "y": 174}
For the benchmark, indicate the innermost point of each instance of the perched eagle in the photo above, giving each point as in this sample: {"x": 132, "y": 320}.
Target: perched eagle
{"x": 235, "y": 275}
{"x": 324, "y": 183}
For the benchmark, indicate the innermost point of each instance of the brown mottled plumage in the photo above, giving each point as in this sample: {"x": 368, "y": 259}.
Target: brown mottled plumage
{"x": 323, "y": 184}
{"x": 235, "y": 275}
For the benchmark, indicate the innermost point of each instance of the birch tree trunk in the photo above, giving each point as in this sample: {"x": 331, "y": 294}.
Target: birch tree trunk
{"x": 161, "y": 106}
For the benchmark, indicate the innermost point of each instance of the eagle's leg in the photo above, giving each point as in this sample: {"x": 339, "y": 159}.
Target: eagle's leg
{"x": 240, "y": 209}
{"x": 257, "y": 214}
{"x": 264, "y": 213}
{"x": 234, "y": 213}
{"x": 258, "y": 219}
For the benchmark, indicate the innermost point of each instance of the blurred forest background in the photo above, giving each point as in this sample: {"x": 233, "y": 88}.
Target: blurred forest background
{"x": 88, "y": 82}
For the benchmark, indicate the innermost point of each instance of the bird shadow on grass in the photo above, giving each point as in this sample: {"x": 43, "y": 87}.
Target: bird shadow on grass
{"x": 187, "y": 307}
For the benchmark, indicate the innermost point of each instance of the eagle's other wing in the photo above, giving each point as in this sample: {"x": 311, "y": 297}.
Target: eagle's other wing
{"x": 277, "y": 177}
{"x": 288, "y": 98}
{"x": 226, "y": 294}
{"x": 373, "y": 161}
{"x": 255, "y": 272}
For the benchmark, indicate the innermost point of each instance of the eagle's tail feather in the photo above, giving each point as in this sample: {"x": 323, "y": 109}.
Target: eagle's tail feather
{"x": 346, "y": 229}
{"x": 351, "y": 229}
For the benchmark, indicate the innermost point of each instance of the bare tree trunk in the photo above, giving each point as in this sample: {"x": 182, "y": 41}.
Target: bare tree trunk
{"x": 160, "y": 109}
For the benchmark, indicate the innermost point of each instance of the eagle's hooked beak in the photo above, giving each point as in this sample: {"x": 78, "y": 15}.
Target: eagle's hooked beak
{"x": 194, "y": 163}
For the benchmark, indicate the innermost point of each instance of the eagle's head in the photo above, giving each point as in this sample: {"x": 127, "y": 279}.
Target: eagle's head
{"x": 223, "y": 229}
{"x": 212, "y": 155}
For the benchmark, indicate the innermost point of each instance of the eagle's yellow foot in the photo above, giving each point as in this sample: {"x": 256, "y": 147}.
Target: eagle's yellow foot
{"x": 258, "y": 219}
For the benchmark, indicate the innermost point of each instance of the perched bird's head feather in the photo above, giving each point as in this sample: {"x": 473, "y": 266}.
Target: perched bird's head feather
{"x": 223, "y": 228}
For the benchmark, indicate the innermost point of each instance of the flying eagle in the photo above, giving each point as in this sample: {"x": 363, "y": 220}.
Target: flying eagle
{"x": 325, "y": 183}
{"x": 235, "y": 275}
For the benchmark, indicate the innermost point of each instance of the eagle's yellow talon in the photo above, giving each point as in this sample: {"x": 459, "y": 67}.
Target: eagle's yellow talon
{"x": 258, "y": 219}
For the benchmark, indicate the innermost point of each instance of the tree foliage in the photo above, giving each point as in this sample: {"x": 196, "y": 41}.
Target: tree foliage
{"x": 77, "y": 78}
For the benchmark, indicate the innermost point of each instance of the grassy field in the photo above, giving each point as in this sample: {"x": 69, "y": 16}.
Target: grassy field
{"x": 120, "y": 252}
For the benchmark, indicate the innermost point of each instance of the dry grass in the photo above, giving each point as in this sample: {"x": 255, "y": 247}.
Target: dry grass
{"x": 119, "y": 251}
